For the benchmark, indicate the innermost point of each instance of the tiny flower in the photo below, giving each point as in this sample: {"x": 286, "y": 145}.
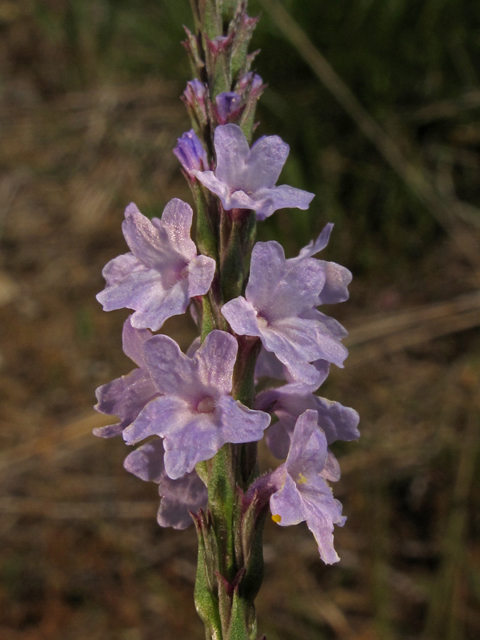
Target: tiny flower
{"x": 227, "y": 105}
{"x": 251, "y": 80}
{"x": 190, "y": 152}
{"x": 302, "y": 491}
{"x": 279, "y": 308}
{"x": 245, "y": 178}
{"x": 289, "y": 402}
{"x": 220, "y": 44}
{"x": 162, "y": 272}
{"x": 337, "y": 278}
{"x": 179, "y": 497}
{"x": 194, "y": 94}
{"x": 194, "y": 412}
{"x": 125, "y": 397}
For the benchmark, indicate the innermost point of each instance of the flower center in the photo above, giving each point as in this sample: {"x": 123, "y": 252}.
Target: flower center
{"x": 183, "y": 273}
{"x": 174, "y": 273}
{"x": 262, "y": 321}
{"x": 301, "y": 479}
{"x": 206, "y": 405}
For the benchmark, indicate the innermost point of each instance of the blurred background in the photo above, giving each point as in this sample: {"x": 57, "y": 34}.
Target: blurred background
{"x": 380, "y": 102}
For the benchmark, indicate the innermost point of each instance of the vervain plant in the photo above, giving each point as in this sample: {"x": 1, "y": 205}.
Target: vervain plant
{"x": 257, "y": 316}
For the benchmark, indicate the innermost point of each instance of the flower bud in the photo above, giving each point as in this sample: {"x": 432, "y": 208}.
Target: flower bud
{"x": 190, "y": 152}
{"x": 228, "y": 105}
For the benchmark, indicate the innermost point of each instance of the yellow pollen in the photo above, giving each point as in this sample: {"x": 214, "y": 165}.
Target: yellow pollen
{"x": 262, "y": 322}
{"x": 301, "y": 479}
{"x": 277, "y": 519}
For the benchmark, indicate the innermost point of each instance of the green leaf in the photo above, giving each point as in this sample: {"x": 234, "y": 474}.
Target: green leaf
{"x": 206, "y": 602}
{"x": 221, "y": 498}
{"x": 237, "y": 629}
{"x": 206, "y": 239}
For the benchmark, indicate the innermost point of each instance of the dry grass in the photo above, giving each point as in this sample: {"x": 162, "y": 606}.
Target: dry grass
{"x": 80, "y": 553}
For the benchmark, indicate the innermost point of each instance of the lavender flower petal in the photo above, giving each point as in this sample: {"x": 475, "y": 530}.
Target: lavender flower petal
{"x": 194, "y": 347}
{"x": 177, "y": 220}
{"x": 337, "y": 278}
{"x": 200, "y": 275}
{"x": 160, "y": 417}
{"x": 286, "y": 505}
{"x": 241, "y": 424}
{"x": 308, "y": 449}
{"x": 227, "y": 104}
{"x": 146, "y": 462}
{"x": 290, "y": 401}
{"x": 179, "y": 497}
{"x": 282, "y": 197}
{"x": 125, "y": 397}
{"x": 312, "y": 247}
{"x": 265, "y": 163}
{"x": 152, "y": 250}
{"x": 276, "y": 289}
{"x": 197, "y": 439}
{"x": 172, "y": 372}
{"x": 120, "y": 267}
{"x": 322, "y": 513}
{"x": 216, "y": 359}
{"x": 241, "y": 316}
{"x": 216, "y": 186}
{"x": 232, "y": 151}
{"x": 252, "y": 80}
{"x": 332, "y": 326}
{"x": 158, "y": 306}
{"x": 269, "y": 366}
{"x": 331, "y": 470}
{"x": 298, "y": 341}
{"x": 190, "y": 152}
{"x": 195, "y": 92}
{"x": 133, "y": 341}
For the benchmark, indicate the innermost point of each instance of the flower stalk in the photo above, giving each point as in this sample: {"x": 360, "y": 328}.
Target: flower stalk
{"x": 257, "y": 317}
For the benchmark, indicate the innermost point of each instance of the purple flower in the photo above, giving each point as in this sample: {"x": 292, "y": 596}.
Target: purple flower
{"x": 195, "y": 412}
{"x": 245, "y": 178}
{"x": 162, "y": 272}
{"x": 194, "y": 94}
{"x": 252, "y": 80}
{"x": 302, "y": 491}
{"x": 179, "y": 497}
{"x": 279, "y": 308}
{"x": 190, "y": 152}
{"x": 289, "y": 402}
{"x": 337, "y": 278}
{"x": 227, "y": 105}
{"x": 125, "y": 397}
